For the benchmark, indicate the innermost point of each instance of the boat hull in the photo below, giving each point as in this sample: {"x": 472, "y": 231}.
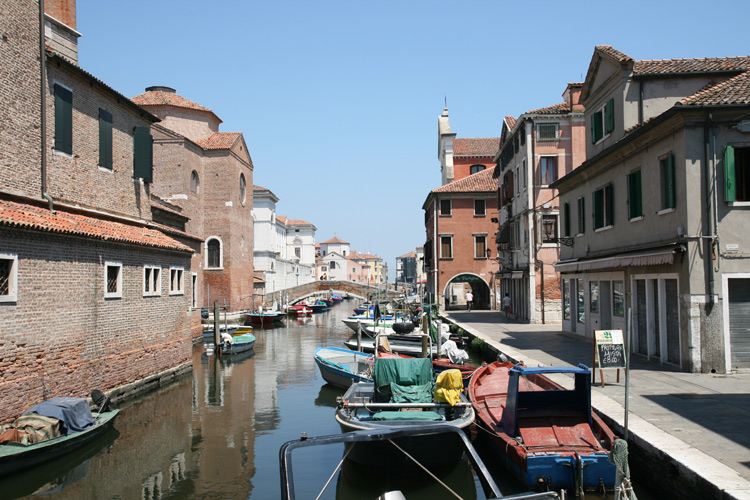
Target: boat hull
{"x": 15, "y": 457}
{"x": 240, "y": 343}
{"x": 342, "y": 367}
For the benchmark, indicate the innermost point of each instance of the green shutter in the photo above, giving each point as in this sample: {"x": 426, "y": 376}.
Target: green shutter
{"x": 105, "y": 139}
{"x": 669, "y": 183}
{"x": 610, "y": 220}
{"x": 567, "y": 219}
{"x": 581, "y": 215}
{"x": 729, "y": 175}
{"x": 63, "y": 119}
{"x": 143, "y": 154}
{"x": 597, "y": 211}
{"x": 635, "y": 203}
{"x": 593, "y": 128}
{"x": 610, "y": 112}
{"x": 638, "y": 194}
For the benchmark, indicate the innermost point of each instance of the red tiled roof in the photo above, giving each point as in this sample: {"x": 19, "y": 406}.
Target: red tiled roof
{"x": 335, "y": 240}
{"x": 614, "y": 53}
{"x": 510, "y": 121}
{"x": 281, "y": 218}
{"x": 298, "y": 222}
{"x": 698, "y": 65}
{"x": 476, "y": 147}
{"x": 219, "y": 140}
{"x": 555, "y": 109}
{"x": 159, "y": 98}
{"x": 259, "y": 188}
{"x": 22, "y": 216}
{"x": 734, "y": 91}
{"x": 479, "y": 182}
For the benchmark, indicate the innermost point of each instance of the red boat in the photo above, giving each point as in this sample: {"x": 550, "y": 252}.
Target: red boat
{"x": 300, "y": 309}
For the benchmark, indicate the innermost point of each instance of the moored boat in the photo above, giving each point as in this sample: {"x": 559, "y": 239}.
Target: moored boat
{"x": 237, "y": 344}
{"x": 548, "y": 436}
{"x": 342, "y": 367}
{"x": 82, "y": 428}
{"x": 404, "y": 393}
{"x": 262, "y": 318}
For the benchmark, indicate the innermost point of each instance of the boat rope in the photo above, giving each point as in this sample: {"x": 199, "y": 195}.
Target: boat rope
{"x": 433, "y": 476}
{"x": 619, "y": 457}
{"x": 334, "y": 472}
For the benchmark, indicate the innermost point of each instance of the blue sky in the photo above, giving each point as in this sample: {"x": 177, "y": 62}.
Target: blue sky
{"x": 338, "y": 100}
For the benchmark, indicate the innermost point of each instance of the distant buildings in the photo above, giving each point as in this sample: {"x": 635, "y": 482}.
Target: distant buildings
{"x": 336, "y": 261}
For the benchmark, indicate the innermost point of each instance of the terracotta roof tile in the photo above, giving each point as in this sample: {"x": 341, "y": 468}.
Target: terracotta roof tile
{"x": 299, "y": 222}
{"x": 479, "y": 182}
{"x": 219, "y": 140}
{"x": 734, "y": 91}
{"x": 159, "y": 98}
{"x": 614, "y": 53}
{"x": 281, "y": 218}
{"x": 510, "y": 121}
{"x": 335, "y": 240}
{"x": 22, "y": 216}
{"x": 555, "y": 109}
{"x": 476, "y": 147}
{"x": 698, "y": 65}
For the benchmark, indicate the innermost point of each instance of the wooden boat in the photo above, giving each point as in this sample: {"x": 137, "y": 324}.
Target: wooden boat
{"x": 262, "y": 318}
{"x": 409, "y": 347}
{"x": 15, "y": 456}
{"x": 548, "y": 436}
{"x": 341, "y": 367}
{"x": 239, "y": 343}
{"x": 300, "y": 309}
{"x": 402, "y": 395}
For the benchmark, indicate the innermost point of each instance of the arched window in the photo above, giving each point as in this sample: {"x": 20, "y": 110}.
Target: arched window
{"x": 195, "y": 182}
{"x": 243, "y": 185}
{"x": 214, "y": 258}
{"x": 476, "y": 168}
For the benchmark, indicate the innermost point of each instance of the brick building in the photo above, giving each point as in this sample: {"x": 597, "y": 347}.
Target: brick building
{"x": 208, "y": 175}
{"x": 92, "y": 294}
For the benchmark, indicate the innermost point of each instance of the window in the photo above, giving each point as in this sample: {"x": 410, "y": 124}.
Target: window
{"x": 736, "y": 174}
{"x": 518, "y": 184}
{"x": 297, "y": 252}
{"x": 105, "y": 139}
{"x": 445, "y": 207}
{"x": 566, "y": 299}
{"x": 480, "y": 246}
{"x": 151, "y": 280}
{"x": 143, "y": 154}
{"x": 566, "y": 221}
{"x": 63, "y": 119}
{"x": 213, "y": 253}
{"x": 523, "y": 171}
{"x": 332, "y": 265}
{"x": 243, "y": 186}
{"x": 549, "y": 228}
{"x": 668, "y": 182}
{"x": 618, "y": 298}
{"x": 603, "y": 122}
{"x": 581, "y": 215}
{"x": 195, "y": 182}
{"x": 603, "y": 207}
{"x": 446, "y": 247}
{"x": 594, "y": 296}
{"x": 479, "y": 207}
{"x": 581, "y": 302}
{"x": 476, "y": 168}
{"x": 635, "y": 197}
{"x": 8, "y": 277}
{"x": 112, "y": 280}
{"x": 194, "y": 290}
{"x": 546, "y": 132}
{"x": 547, "y": 170}
{"x": 176, "y": 286}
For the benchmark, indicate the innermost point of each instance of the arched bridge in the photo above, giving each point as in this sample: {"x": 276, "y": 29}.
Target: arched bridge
{"x": 361, "y": 291}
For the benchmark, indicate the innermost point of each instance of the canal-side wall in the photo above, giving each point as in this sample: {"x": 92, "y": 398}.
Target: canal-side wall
{"x": 63, "y": 337}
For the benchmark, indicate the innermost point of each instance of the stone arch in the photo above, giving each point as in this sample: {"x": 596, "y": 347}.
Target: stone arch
{"x": 456, "y": 287}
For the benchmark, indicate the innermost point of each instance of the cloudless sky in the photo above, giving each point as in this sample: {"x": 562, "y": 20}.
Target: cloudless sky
{"x": 338, "y": 101}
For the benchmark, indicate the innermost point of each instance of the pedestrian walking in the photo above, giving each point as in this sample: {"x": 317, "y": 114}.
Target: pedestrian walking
{"x": 469, "y": 299}
{"x": 506, "y": 306}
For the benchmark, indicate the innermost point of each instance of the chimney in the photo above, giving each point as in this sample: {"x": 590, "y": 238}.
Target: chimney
{"x": 60, "y": 28}
{"x": 572, "y": 96}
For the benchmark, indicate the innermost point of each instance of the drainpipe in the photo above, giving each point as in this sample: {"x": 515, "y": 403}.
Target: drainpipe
{"x": 710, "y": 157}
{"x": 434, "y": 251}
{"x": 43, "y": 94}
{"x": 537, "y": 263}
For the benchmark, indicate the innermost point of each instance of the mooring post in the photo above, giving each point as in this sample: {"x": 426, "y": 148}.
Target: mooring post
{"x": 217, "y": 333}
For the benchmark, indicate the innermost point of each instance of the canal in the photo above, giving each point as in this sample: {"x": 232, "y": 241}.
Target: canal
{"x": 217, "y": 434}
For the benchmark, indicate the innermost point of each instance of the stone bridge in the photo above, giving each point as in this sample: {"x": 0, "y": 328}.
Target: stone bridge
{"x": 361, "y": 291}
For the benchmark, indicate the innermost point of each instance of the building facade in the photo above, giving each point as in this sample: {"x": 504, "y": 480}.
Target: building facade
{"x": 658, "y": 210}
{"x": 92, "y": 294}
{"x": 537, "y": 148}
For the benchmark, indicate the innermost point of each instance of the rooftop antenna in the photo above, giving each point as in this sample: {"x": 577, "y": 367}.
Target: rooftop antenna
{"x": 446, "y": 100}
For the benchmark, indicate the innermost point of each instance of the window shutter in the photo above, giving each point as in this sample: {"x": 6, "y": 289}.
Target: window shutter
{"x": 593, "y": 127}
{"x": 105, "y": 139}
{"x": 638, "y": 194}
{"x": 729, "y": 176}
{"x": 631, "y": 193}
{"x": 63, "y": 119}
{"x": 610, "y": 219}
{"x": 143, "y": 154}
{"x": 669, "y": 180}
{"x": 597, "y": 209}
{"x": 581, "y": 215}
{"x": 610, "y": 111}
{"x": 567, "y": 219}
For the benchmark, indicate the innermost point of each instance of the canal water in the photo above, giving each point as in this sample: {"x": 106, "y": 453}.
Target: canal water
{"x": 216, "y": 434}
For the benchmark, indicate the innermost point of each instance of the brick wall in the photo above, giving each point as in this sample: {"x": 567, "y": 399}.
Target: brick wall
{"x": 78, "y": 178}
{"x": 64, "y": 338}
{"x": 20, "y": 102}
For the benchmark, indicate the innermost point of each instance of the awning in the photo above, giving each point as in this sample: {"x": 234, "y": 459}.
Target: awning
{"x": 653, "y": 257}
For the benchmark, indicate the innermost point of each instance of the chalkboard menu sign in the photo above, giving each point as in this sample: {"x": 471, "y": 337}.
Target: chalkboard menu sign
{"x": 610, "y": 349}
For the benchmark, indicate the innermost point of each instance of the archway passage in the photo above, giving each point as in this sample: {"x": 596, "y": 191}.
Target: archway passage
{"x": 454, "y": 294}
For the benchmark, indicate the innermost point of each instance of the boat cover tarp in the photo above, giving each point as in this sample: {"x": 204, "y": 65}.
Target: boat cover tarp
{"x": 29, "y": 429}
{"x": 389, "y": 416}
{"x": 449, "y": 386}
{"x": 74, "y": 414}
{"x": 403, "y": 379}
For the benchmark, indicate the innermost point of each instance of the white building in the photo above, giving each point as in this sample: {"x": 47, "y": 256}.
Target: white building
{"x": 284, "y": 248}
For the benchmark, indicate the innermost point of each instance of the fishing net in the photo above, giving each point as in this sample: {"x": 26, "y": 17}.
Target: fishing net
{"x": 619, "y": 457}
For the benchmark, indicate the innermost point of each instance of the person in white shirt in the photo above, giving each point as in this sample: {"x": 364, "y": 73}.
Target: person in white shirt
{"x": 469, "y": 299}
{"x": 506, "y": 306}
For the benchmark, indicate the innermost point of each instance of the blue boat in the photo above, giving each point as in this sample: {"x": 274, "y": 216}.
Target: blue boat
{"x": 342, "y": 367}
{"x": 548, "y": 436}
